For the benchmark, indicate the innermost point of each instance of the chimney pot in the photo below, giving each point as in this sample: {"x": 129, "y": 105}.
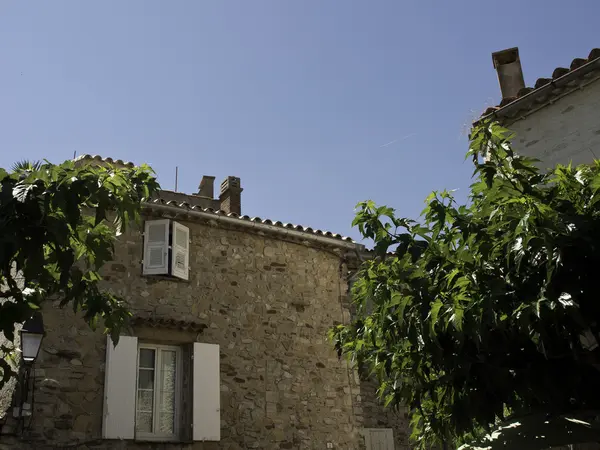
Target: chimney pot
{"x": 231, "y": 196}
{"x": 207, "y": 187}
{"x": 510, "y": 73}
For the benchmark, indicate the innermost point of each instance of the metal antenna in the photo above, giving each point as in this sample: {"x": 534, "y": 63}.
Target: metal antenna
{"x": 176, "y": 176}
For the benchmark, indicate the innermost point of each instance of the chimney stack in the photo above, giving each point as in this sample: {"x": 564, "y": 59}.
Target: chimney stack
{"x": 207, "y": 187}
{"x": 510, "y": 74}
{"x": 231, "y": 196}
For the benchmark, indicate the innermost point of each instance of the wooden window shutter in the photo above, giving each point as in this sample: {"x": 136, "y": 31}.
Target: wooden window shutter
{"x": 156, "y": 247}
{"x": 187, "y": 393}
{"x": 379, "y": 439}
{"x": 180, "y": 251}
{"x": 207, "y": 393}
{"x": 118, "y": 421}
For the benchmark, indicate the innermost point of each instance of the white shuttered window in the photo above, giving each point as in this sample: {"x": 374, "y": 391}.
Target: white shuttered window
{"x": 144, "y": 395}
{"x": 166, "y": 248}
{"x": 156, "y": 247}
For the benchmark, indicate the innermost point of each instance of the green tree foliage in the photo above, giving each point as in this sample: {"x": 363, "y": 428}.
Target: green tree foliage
{"x": 55, "y": 237}
{"x": 486, "y": 310}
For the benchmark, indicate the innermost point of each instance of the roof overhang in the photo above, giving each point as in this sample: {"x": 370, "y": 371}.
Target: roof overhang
{"x": 547, "y": 94}
{"x": 283, "y": 230}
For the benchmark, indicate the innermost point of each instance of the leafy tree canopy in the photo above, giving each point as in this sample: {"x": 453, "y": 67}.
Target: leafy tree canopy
{"x": 55, "y": 237}
{"x": 484, "y": 311}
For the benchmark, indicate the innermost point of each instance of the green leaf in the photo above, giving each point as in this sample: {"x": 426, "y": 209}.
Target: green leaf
{"x": 435, "y": 311}
{"x": 457, "y": 318}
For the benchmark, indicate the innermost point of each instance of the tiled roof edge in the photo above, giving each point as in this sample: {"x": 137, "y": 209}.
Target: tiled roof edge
{"x": 334, "y": 238}
{"x": 578, "y": 67}
{"x": 100, "y": 159}
{"x": 276, "y": 226}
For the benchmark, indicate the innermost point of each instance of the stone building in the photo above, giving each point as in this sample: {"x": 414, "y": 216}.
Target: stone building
{"x": 557, "y": 120}
{"x": 227, "y": 347}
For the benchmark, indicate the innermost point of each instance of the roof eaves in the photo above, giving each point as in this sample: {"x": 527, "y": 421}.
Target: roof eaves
{"x": 100, "y": 159}
{"x": 560, "y": 77}
{"x": 261, "y": 224}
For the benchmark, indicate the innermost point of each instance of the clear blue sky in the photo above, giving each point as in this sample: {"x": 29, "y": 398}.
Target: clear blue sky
{"x": 296, "y": 97}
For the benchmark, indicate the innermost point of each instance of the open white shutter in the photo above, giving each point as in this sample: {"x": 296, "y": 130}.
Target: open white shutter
{"x": 207, "y": 393}
{"x": 180, "y": 256}
{"x": 118, "y": 420}
{"x": 156, "y": 247}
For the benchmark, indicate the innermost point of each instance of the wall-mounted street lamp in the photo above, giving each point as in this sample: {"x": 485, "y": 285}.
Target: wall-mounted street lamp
{"x": 32, "y": 334}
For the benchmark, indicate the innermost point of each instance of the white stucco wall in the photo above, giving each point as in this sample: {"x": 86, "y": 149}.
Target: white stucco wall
{"x": 568, "y": 130}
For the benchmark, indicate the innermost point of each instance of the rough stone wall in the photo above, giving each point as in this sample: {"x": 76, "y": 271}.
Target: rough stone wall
{"x": 267, "y": 302}
{"x": 567, "y": 130}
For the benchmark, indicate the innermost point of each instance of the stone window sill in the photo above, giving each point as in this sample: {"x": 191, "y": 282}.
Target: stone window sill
{"x": 149, "y": 440}
{"x": 157, "y": 278}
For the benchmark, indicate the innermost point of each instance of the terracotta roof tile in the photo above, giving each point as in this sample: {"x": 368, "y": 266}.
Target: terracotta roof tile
{"x": 542, "y": 82}
{"x": 506, "y": 101}
{"x": 257, "y": 220}
{"x": 594, "y": 54}
{"x": 577, "y": 62}
{"x": 100, "y": 159}
{"x": 559, "y": 72}
{"x": 524, "y": 91}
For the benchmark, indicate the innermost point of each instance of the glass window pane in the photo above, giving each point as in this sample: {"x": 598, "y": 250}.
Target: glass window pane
{"x": 145, "y": 401}
{"x": 168, "y": 368}
{"x": 169, "y": 360}
{"x": 168, "y": 373}
{"x": 157, "y": 376}
{"x": 167, "y": 424}
{"x": 146, "y": 379}
{"x": 147, "y": 358}
{"x": 167, "y": 401}
{"x": 143, "y": 422}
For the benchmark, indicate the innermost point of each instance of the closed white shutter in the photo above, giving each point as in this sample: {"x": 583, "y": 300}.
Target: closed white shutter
{"x": 156, "y": 247}
{"x": 118, "y": 420}
{"x": 180, "y": 256}
{"x": 207, "y": 393}
{"x": 379, "y": 438}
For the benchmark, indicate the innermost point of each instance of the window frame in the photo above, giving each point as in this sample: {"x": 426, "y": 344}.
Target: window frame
{"x": 155, "y": 436}
{"x": 170, "y": 248}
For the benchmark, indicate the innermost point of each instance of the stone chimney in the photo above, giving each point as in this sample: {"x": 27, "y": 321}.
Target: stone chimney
{"x": 207, "y": 187}
{"x": 510, "y": 74}
{"x": 231, "y": 196}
